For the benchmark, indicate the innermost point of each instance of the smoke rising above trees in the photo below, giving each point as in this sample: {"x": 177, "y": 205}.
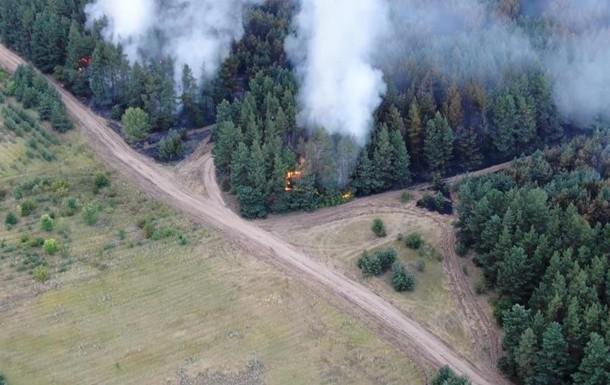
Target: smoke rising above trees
{"x": 341, "y": 49}
{"x": 197, "y": 33}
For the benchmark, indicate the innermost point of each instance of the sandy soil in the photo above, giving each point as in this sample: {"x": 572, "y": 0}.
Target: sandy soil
{"x": 164, "y": 185}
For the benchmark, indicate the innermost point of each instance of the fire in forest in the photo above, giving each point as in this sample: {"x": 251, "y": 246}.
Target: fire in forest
{"x": 292, "y": 178}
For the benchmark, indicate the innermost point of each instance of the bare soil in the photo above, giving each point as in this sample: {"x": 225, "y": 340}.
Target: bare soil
{"x": 165, "y": 186}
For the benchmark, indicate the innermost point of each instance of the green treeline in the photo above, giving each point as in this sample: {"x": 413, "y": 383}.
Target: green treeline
{"x": 428, "y": 124}
{"x": 541, "y": 232}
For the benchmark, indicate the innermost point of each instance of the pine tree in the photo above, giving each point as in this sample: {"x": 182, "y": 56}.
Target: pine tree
{"x": 553, "y": 363}
{"x": 382, "y": 158}
{"x": 239, "y": 166}
{"x": 365, "y": 179}
{"x": 467, "y": 149}
{"x": 190, "y": 103}
{"x": 594, "y": 368}
{"x": 503, "y": 114}
{"x": 438, "y": 144}
{"x": 401, "y": 162}
{"x": 415, "y": 133}
{"x": 514, "y": 275}
{"x": 515, "y": 322}
{"x": 227, "y": 138}
{"x": 525, "y": 355}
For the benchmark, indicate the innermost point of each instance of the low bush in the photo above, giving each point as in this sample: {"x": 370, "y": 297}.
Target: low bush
{"x": 414, "y": 241}
{"x": 100, "y": 181}
{"x": 90, "y": 214}
{"x": 402, "y": 280}
{"x": 405, "y": 197}
{"x": 377, "y": 263}
{"x": 27, "y": 207}
{"x": 50, "y": 246}
{"x": 10, "y": 220}
{"x": 47, "y": 223}
{"x": 40, "y": 273}
{"x": 71, "y": 206}
{"x": 170, "y": 147}
{"x": 378, "y": 228}
{"x": 420, "y": 265}
{"x": 438, "y": 203}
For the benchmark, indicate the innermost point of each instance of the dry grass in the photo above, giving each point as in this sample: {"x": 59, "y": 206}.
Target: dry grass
{"x": 123, "y": 309}
{"x": 341, "y": 243}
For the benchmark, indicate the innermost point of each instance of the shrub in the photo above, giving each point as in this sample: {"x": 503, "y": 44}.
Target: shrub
{"x": 402, "y": 280}
{"x": 405, "y": 197}
{"x": 438, "y": 203}
{"x": 36, "y": 242}
{"x": 378, "y": 228}
{"x": 446, "y": 376}
{"x": 386, "y": 258}
{"x": 414, "y": 241}
{"x": 41, "y": 273}
{"x": 27, "y": 207}
{"x": 376, "y": 263}
{"x": 50, "y": 246}
{"x": 116, "y": 112}
{"x": 100, "y": 181}
{"x": 2, "y": 379}
{"x": 47, "y": 223}
{"x": 10, "y": 220}
{"x": 136, "y": 123}
{"x": 170, "y": 147}
{"x": 72, "y": 205}
{"x": 90, "y": 214}
{"x": 369, "y": 264}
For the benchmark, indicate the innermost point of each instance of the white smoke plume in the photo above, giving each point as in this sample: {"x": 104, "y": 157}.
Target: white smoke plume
{"x": 579, "y": 57}
{"x": 333, "y": 51}
{"x": 343, "y": 48}
{"x": 198, "y": 33}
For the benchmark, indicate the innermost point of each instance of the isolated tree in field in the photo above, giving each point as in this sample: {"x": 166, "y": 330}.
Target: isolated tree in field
{"x": 378, "y": 228}
{"x": 136, "y": 123}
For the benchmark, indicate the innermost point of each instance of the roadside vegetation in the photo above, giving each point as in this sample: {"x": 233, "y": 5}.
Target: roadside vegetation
{"x": 101, "y": 283}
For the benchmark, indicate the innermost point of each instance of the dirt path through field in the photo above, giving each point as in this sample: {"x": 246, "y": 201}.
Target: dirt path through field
{"x": 165, "y": 186}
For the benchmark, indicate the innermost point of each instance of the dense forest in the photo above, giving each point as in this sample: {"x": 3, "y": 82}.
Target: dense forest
{"x": 429, "y": 125}
{"x": 541, "y": 231}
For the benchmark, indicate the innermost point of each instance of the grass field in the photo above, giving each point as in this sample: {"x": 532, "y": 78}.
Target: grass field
{"x": 141, "y": 295}
{"x": 341, "y": 243}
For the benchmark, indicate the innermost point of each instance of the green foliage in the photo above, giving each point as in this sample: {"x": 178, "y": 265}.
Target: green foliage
{"x": 50, "y": 246}
{"x": 100, "y": 181}
{"x": 27, "y": 207}
{"x": 414, "y": 241}
{"x": 539, "y": 231}
{"x": 47, "y": 223}
{"x": 377, "y": 263}
{"x": 10, "y": 220}
{"x": 40, "y": 273}
{"x": 90, "y": 214}
{"x": 136, "y": 123}
{"x": 446, "y": 376}
{"x": 405, "y": 197}
{"x": 378, "y": 228}
{"x": 402, "y": 280}
{"x": 170, "y": 147}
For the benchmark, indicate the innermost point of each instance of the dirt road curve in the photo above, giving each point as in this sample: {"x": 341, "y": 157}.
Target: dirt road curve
{"x": 165, "y": 186}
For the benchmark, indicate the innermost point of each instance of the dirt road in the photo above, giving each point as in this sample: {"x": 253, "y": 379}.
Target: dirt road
{"x": 162, "y": 184}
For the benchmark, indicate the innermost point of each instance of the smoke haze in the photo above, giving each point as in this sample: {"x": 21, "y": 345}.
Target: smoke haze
{"x": 198, "y": 33}
{"x": 341, "y": 48}
{"x": 333, "y": 52}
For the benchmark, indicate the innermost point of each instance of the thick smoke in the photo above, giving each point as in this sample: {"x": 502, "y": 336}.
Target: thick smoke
{"x": 342, "y": 47}
{"x": 198, "y": 33}
{"x": 333, "y": 51}
{"x": 578, "y": 57}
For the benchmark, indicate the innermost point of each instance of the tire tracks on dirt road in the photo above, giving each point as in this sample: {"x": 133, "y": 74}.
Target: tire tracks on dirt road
{"x": 163, "y": 185}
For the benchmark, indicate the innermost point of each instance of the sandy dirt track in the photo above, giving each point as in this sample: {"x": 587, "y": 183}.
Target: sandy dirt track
{"x": 210, "y": 209}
